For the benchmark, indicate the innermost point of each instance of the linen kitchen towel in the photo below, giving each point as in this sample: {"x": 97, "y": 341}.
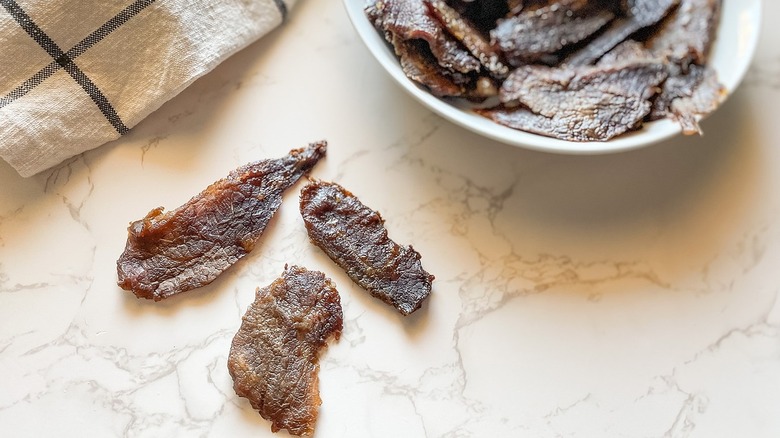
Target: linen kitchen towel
{"x": 75, "y": 74}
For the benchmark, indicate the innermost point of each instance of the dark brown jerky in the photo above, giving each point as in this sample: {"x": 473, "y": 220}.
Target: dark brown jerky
{"x": 687, "y": 35}
{"x": 417, "y": 64}
{"x": 586, "y": 104}
{"x": 168, "y": 253}
{"x": 355, "y": 238}
{"x": 639, "y": 14}
{"x": 410, "y": 20}
{"x": 470, "y": 37}
{"x": 684, "y": 39}
{"x": 536, "y": 33}
{"x": 274, "y": 356}
{"x": 686, "y": 97}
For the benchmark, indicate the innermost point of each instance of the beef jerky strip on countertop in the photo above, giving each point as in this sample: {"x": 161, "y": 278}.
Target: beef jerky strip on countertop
{"x": 639, "y": 14}
{"x": 410, "y": 20}
{"x": 169, "y": 253}
{"x": 585, "y": 104}
{"x": 536, "y": 33}
{"x": 354, "y": 237}
{"x": 273, "y": 359}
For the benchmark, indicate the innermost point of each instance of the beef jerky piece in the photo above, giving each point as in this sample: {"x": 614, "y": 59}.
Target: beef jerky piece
{"x": 564, "y": 127}
{"x": 546, "y": 90}
{"x": 168, "y": 253}
{"x": 639, "y": 14}
{"x": 415, "y": 59}
{"x": 410, "y": 20}
{"x": 687, "y": 35}
{"x": 416, "y": 64}
{"x": 625, "y": 52}
{"x": 536, "y": 33}
{"x": 705, "y": 98}
{"x": 274, "y": 356}
{"x": 569, "y": 126}
{"x": 586, "y": 104}
{"x": 355, "y": 238}
{"x": 686, "y": 97}
{"x": 470, "y": 37}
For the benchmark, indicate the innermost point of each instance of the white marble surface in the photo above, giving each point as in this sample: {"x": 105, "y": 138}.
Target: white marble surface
{"x": 630, "y": 295}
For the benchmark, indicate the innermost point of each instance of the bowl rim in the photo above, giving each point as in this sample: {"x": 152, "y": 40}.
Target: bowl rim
{"x": 651, "y": 133}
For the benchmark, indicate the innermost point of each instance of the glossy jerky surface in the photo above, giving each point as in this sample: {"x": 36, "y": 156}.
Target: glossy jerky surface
{"x": 172, "y": 252}
{"x": 274, "y": 356}
{"x": 416, "y": 66}
{"x": 469, "y": 36}
{"x": 355, "y": 238}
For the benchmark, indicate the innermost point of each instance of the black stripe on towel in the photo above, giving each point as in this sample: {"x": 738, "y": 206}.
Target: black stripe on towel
{"x": 282, "y": 8}
{"x": 65, "y": 60}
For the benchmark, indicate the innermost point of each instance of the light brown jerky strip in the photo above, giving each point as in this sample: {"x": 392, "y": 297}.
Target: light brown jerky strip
{"x": 274, "y": 356}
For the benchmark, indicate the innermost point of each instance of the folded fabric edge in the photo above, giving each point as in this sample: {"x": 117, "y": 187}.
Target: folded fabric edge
{"x": 27, "y": 168}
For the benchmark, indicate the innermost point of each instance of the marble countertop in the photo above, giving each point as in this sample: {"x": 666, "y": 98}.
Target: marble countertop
{"x": 626, "y": 295}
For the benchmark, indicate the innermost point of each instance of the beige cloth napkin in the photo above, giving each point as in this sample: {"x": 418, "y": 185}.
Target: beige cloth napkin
{"x": 79, "y": 73}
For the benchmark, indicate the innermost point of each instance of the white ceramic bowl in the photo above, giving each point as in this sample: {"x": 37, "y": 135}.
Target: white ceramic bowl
{"x": 731, "y": 55}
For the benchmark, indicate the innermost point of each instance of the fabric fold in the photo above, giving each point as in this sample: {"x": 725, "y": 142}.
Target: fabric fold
{"x": 86, "y": 72}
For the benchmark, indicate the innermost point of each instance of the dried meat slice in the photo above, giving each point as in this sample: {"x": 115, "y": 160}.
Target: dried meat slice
{"x": 354, "y": 237}
{"x": 546, "y": 90}
{"x": 273, "y": 358}
{"x": 405, "y": 20}
{"x": 169, "y": 253}
{"x": 687, "y": 97}
{"x": 687, "y": 35}
{"x": 684, "y": 39}
{"x": 464, "y": 32}
{"x": 639, "y": 14}
{"x": 536, "y": 33}
{"x": 586, "y": 104}
{"x": 418, "y": 67}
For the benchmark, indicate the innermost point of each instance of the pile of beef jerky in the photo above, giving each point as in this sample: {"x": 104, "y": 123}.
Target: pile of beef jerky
{"x": 577, "y": 70}
{"x": 274, "y": 355}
